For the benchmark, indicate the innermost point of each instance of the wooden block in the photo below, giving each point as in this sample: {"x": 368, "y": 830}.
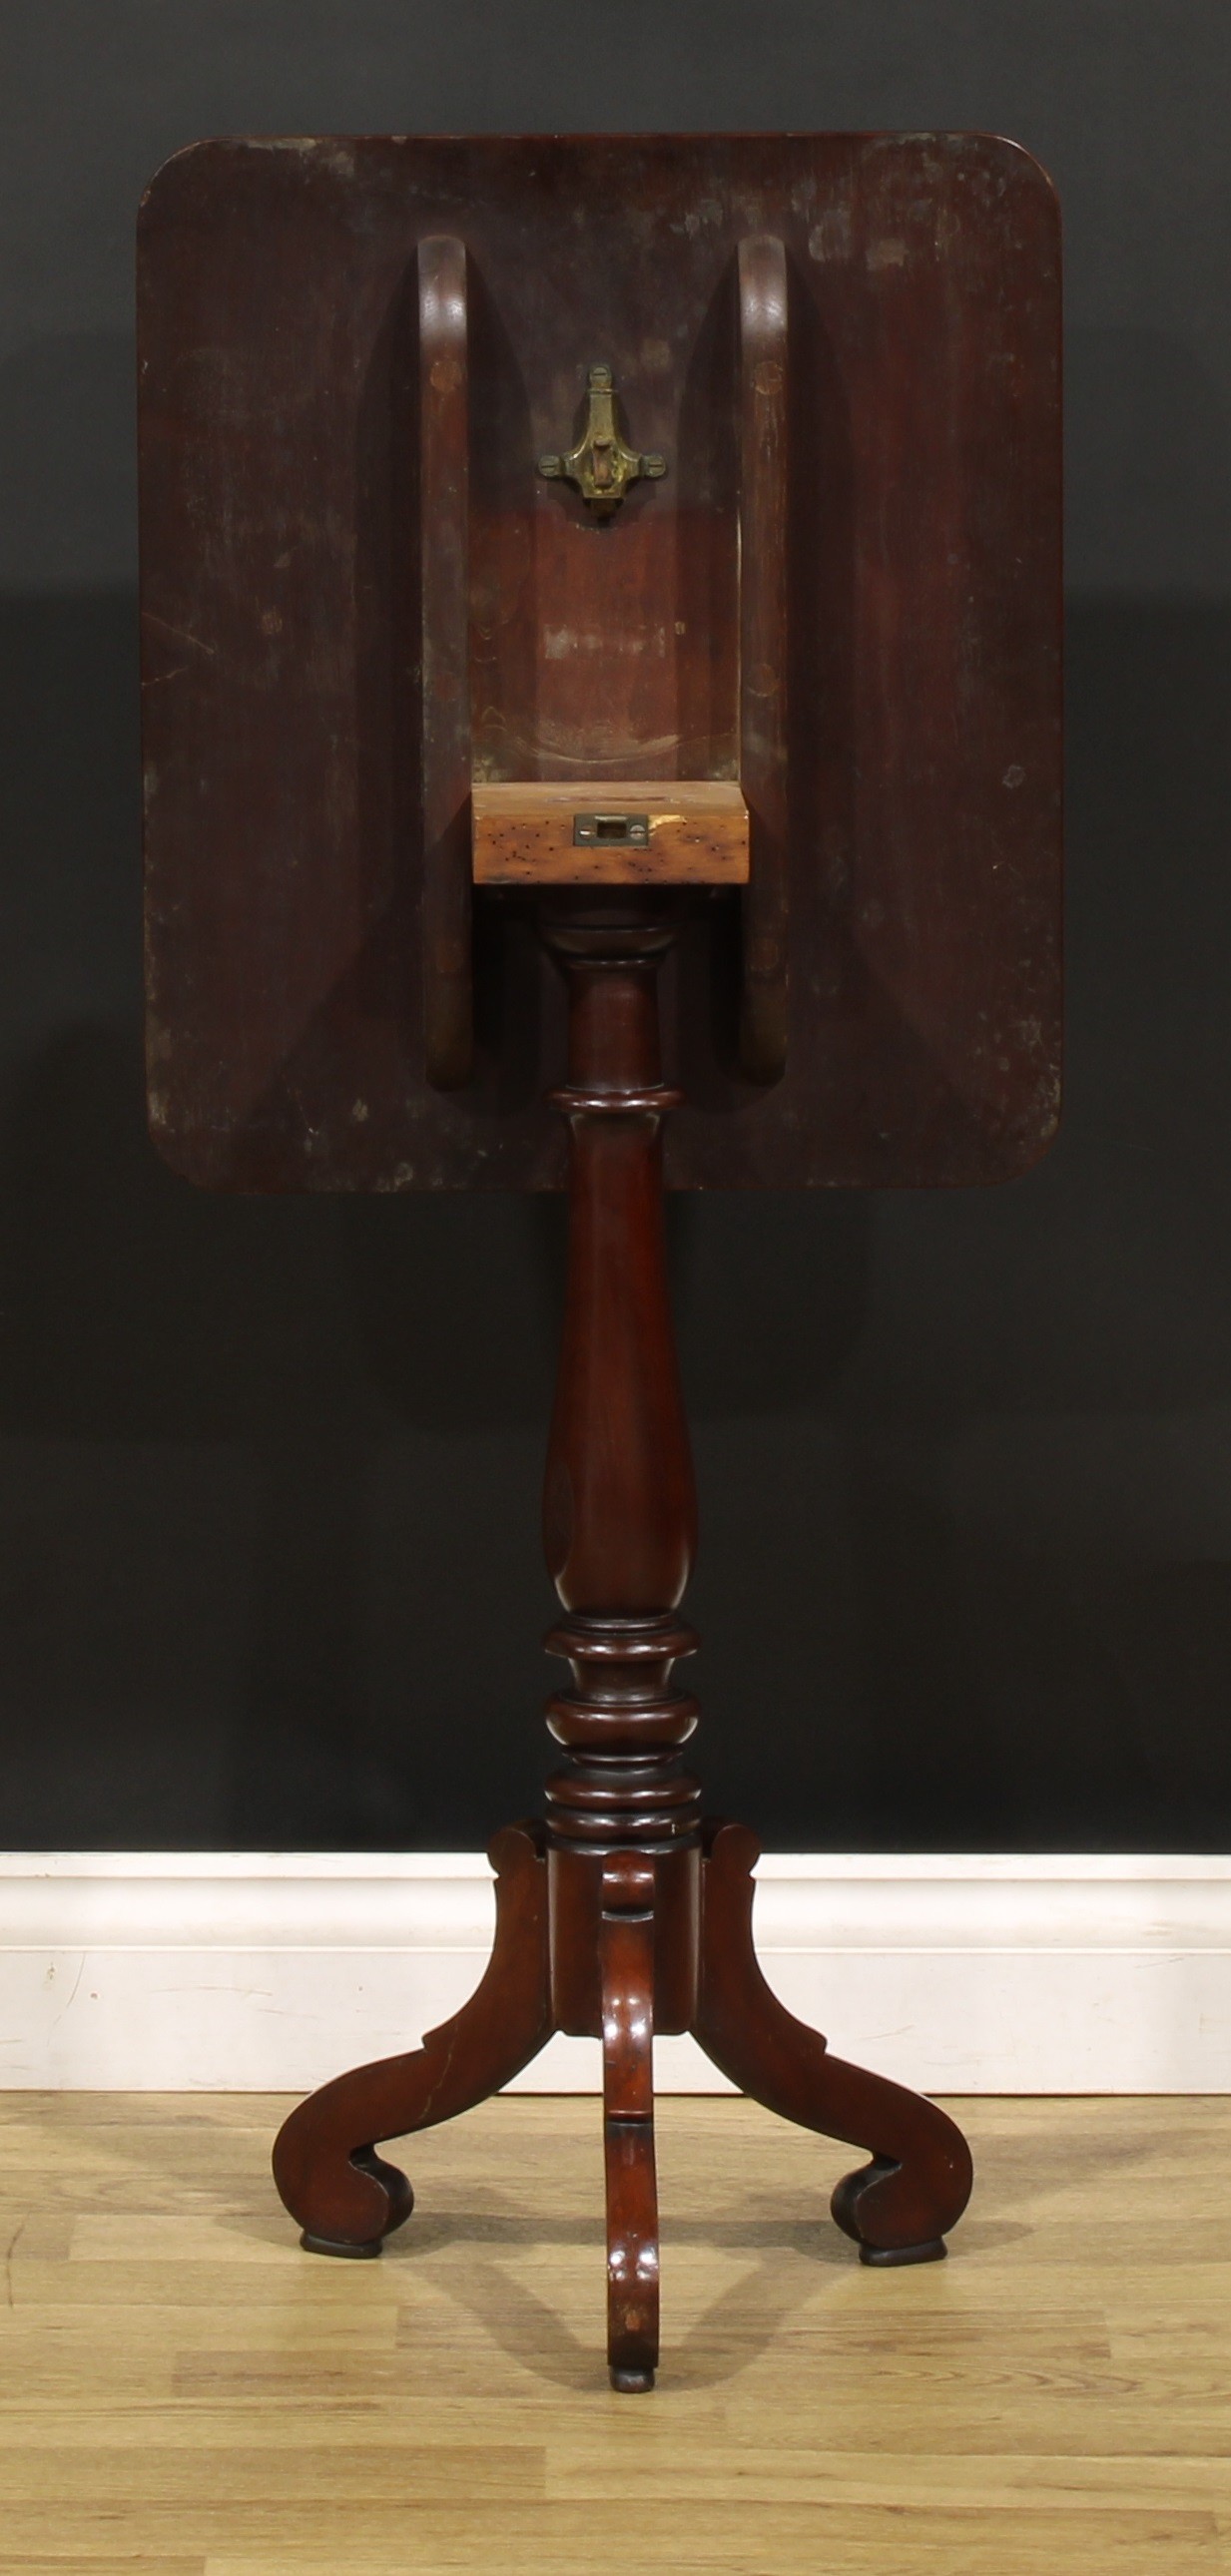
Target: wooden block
{"x": 598, "y": 832}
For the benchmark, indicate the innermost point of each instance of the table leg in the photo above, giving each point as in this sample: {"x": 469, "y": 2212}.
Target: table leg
{"x": 345, "y": 2197}
{"x": 626, "y": 1944}
{"x": 900, "y": 2205}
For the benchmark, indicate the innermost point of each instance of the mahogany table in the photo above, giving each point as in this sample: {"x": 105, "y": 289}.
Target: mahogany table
{"x": 601, "y": 682}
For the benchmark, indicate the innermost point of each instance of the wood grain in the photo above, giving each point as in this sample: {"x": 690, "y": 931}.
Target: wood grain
{"x": 523, "y": 833}
{"x": 184, "y": 2393}
{"x": 765, "y": 645}
{"x": 444, "y": 581}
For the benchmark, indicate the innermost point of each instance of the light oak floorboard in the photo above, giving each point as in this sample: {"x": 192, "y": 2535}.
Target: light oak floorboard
{"x": 183, "y": 2392}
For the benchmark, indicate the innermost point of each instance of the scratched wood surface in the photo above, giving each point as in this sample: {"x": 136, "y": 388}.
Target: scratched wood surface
{"x": 184, "y": 2393}
{"x": 916, "y": 598}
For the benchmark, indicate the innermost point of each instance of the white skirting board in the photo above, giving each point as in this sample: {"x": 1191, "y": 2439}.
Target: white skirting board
{"x": 252, "y": 1971}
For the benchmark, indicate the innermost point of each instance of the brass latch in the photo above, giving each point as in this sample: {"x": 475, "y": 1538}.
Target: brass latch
{"x": 601, "y": 465}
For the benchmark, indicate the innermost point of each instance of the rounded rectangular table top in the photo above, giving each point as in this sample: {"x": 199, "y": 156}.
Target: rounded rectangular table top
{"x": 292, "y": 704}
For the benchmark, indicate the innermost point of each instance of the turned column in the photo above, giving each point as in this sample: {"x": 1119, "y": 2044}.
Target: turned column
{"x": 619, "y": 1507}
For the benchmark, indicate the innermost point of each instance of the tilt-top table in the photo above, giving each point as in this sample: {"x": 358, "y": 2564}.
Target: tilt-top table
{"x": 601, "y": 681}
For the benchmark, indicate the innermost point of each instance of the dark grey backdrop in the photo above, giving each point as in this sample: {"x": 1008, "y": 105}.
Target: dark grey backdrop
{"x": 269, "y": 1471}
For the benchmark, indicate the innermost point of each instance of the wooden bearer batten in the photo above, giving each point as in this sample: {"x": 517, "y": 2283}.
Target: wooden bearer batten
{"x": 592, "y": 832}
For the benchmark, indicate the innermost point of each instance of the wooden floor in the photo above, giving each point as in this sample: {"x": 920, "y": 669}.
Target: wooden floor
{"x": 187, "y": 2394}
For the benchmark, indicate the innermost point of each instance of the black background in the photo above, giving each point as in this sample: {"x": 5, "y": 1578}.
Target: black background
{"x": 269, "y": 1568}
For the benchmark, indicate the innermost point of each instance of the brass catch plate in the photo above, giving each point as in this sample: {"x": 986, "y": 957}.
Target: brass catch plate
{"x": 611, "y": 831}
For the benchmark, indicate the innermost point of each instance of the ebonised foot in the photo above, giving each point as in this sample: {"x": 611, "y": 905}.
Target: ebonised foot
{"x": 886, "y": 2255}
{"x": 331, "y": 2245}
